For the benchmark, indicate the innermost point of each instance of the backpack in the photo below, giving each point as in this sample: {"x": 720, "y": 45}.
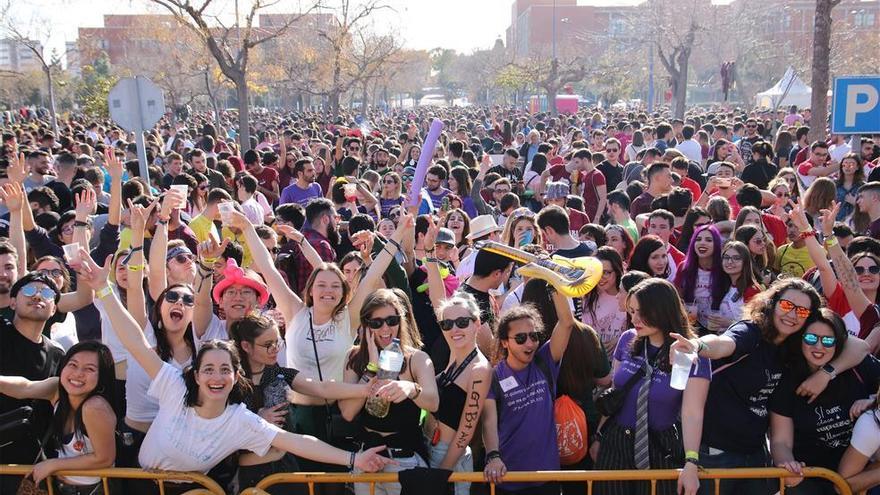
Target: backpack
{"x": 571, "y": 422}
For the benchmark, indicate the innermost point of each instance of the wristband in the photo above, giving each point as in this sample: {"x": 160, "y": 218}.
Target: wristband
{"x": 77, "y": 223}
{"x": 351, "y": 461}
{"x": 162, "y": 222}
{"x": 807, "y": 233}
{"x": 692, "y": 454}
{"x": 373, "y": 367}
{"x": 395, "y": 244}
{"x": 135, "y": 268}
{"x": 135, "y": 249}
{"x": 701, "y": 346}
{"x": 830, "y": 241}
{"x": 492, "y": 454}
{"x": 103, "y": 292}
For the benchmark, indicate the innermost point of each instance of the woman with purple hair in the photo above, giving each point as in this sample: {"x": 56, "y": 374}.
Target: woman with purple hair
{"x": 700, "y": 277}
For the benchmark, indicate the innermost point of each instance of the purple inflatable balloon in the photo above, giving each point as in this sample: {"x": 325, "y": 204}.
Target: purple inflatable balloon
{"x": 415, "y": 193}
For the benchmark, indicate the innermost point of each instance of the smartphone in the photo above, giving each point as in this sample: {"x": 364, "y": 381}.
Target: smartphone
{"x": 724, "y": 183}
{"x": 444, "y": 205}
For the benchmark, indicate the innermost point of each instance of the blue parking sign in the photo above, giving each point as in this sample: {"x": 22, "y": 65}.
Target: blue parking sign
{"x": 855, "y": 105}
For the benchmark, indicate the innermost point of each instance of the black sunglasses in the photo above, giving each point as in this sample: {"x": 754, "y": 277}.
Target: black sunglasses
{"x": 183, "y": 258}
{"x": 520, "y": 338}
{"x": 463, "y": 322}
{"x": 873, "y": 270}
{"x": 53, "y": 272}
{"x": 376, "y": 323}
{"x": 174, "y": 296}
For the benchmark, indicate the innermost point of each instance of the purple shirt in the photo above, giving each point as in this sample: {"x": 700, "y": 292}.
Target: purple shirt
{"x": 527, "y": 426}
{"x": 295, "y": 194}
{"x": 664, "y": 402}
{"x": 437, "y": 200}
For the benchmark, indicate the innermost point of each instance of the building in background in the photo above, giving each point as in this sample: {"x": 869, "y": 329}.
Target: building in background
{"x": 16, "y": 56}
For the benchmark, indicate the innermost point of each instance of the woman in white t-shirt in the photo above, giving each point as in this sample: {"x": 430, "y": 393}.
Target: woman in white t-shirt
{"x": 699, "y": 278}
{"x": 864, "y": 447}
{"x": 323, "y": 325}
{"x": 201, "y": 418}
{"x": 84, "y": 420}
{"x": 601, "y": 309}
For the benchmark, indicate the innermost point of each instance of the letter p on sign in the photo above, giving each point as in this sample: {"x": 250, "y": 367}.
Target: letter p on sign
{"x": 856, "y": 105}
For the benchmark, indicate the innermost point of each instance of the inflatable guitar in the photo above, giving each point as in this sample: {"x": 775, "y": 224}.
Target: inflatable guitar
{"x": 576, "y": 276}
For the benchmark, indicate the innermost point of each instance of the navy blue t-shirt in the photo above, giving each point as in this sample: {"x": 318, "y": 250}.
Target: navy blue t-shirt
{"x": 737, "y": 417}
{"x": 822, "y": 429}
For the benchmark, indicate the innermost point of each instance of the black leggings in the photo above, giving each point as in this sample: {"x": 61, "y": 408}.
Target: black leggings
{"x": 249, "y": 476}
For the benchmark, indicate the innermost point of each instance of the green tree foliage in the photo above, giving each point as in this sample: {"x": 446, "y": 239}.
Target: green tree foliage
{"x": 97, "y": 81}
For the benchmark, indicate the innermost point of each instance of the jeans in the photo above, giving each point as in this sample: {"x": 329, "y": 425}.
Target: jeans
{"x": 403, "y": 463}
{"x": 735, "y": 460}
{"x": 465, "y": 463}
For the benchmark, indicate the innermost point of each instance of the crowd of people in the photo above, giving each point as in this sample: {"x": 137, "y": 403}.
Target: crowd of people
{"x": 227, "y": 314}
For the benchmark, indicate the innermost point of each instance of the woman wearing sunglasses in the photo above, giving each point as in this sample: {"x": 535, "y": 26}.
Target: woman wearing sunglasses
{"x": 391, "y": 194}
{"x": 748, "y": 367}
{"x": 385, "y": 316}
{"x": 761, "y": 251}
{"x": 851, "y": 286}
{"x": 259, "y": 343}
{"x": 520, "y": 434}
{"x": 462, "y": 386}
{"x": 817, "y": 433}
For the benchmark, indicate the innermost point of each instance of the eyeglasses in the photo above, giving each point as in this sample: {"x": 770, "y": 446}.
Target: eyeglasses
{"x": 204, "y": 187}
{"x": 32, "y": 290}
{"x": 736, "y": 259}
{"x": 828, "y": 341}
{"x": 376, "y": 323}
{"x": 520, "y": 338}
{"x": 240, "y": 292}
{"x": 272, "y": 346}
{"x": 787, "y": 306}
{"x": 183, "y": 258}
{"x": 67, "y": 229}
{"x": 172, "y": 297}
{"x": 463, "y": 322}
{"x": 53, "y": 273}
{"x": 873, "y": 270}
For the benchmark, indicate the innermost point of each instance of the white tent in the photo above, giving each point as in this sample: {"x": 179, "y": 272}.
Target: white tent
{"x": 790, "y": 90}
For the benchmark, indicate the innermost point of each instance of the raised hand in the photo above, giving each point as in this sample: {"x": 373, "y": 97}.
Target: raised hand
{"x": 170, "y": 201}
{"x": 210, "y": 249}
{"x": 485, "y": 164}
{"x": 363, "y": 242}
{"x": 290, "y": 233}
{"x": 86, "y": 203}
{"x": 12, "y": 194}
{"x": 139, "y": 215}
{"x": 827, "y": 218}
{"x": 237, "y": 220}
{"x": 114, "y": 166}
{"x": 17, "y": 171}
{"x": 798, "y": 217}
{"x": 90, "y": 273}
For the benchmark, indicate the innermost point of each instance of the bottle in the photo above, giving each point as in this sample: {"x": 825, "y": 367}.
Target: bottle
{"x": 390, "y": 364}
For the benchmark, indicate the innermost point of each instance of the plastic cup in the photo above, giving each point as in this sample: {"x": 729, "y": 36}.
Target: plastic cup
{"x": 681, "y": 368}
{"x": 184, "y": 190}
{"x": 350, "y": 191}
{"x": 226, "y": 210}
{"x": 692, "y": 312}
{"x": 71, "y": 253}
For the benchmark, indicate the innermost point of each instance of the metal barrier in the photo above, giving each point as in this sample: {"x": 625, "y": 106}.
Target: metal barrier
{"x": 210, "y": 486}
{"x": 588, "y": 477}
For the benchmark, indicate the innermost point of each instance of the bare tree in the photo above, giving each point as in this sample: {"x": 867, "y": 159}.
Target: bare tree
{"x": 821, "y": 72}
{"x": 232, "y": 46}
{"x": 35, "y": 42}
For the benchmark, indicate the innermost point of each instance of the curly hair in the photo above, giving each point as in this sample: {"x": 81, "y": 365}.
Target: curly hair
{"x": 761, "y": 308}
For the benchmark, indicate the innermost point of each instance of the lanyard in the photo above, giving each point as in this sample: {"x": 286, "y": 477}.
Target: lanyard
{"x": 445, "y": 379}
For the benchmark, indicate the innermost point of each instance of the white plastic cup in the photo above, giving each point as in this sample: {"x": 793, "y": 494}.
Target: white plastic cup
{"x": 682, "y": 362}
{"x": 226, "y": 210}
{"x": 184, "y": 191}
{"x": 71, "y": 253}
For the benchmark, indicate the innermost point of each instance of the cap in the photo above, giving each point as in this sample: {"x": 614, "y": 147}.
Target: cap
{"x": 445, "y": 236}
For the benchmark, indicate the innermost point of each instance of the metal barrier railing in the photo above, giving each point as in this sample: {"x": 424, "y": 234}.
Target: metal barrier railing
{"x": 588, "y": 477}
{"x": 161, "y": 477}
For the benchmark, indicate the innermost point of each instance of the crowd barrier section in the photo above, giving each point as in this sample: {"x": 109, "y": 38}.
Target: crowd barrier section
{"x": 210, "y": 487}
{"x": 311, "y": 479}
{"x": 588, "y": 477}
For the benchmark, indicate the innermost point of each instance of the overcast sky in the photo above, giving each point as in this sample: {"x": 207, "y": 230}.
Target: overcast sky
{"x": 462, "y": 25}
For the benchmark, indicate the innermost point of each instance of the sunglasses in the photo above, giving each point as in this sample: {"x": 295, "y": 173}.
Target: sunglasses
{"x": 275, "y": 250}
{"x": 354, "y": 148}
{"x": 407, "y": 178}
{"x": 787, "y": 306}
{"x": 813, "y": 339}
{"x": 272, "y": 346}
{"x": 463, "y": 322}
{"x": 32, "y": 290}
{"x": 520, "y": 338}
{"x": 376, "y": 323}
{"x": 204, "y": 187}
{"x": 183, "y": 258}
{"x": 873, "y": 270}
{"x": 611, "y": 150}
{"x": 783, "y": 195}
{"x": 54, "y": 272}
{"x": 174, "y": 296}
